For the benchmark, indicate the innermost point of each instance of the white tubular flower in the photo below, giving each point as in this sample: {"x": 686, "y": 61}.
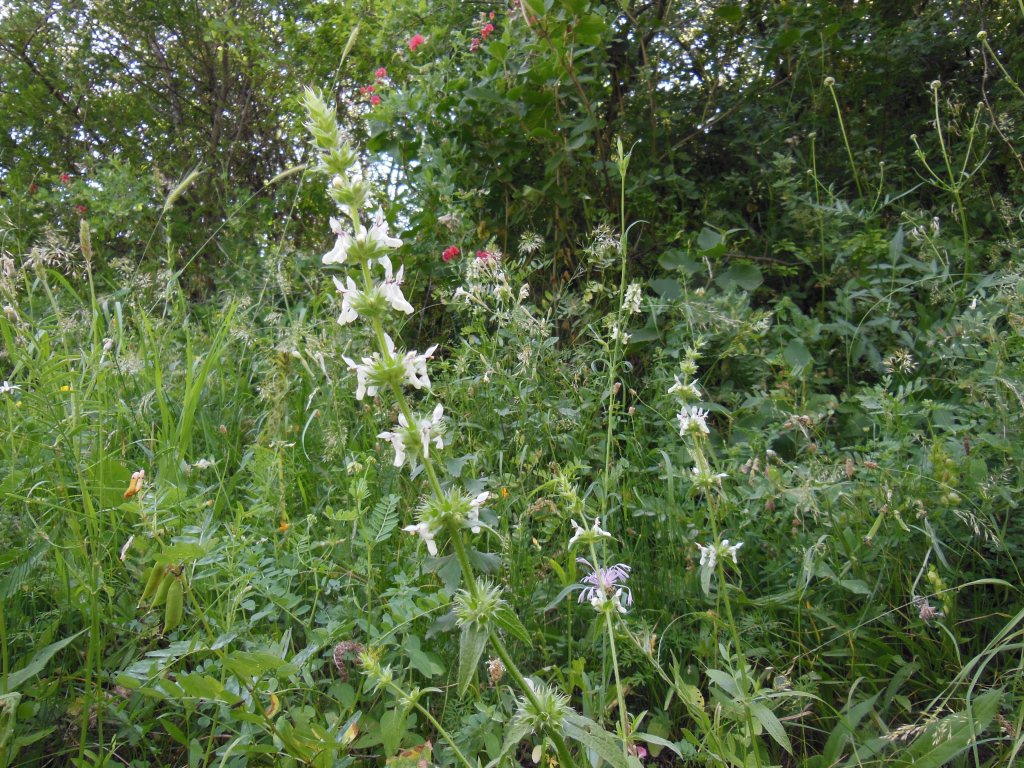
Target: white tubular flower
{"x": 378, "y": 234}
{"x": 473, "y": 516}
{"x": 685, "y": 391}
{"x": 7, "y": 388}
{"x": 692, "y": 421}
{"x": 391, "y": 289}
{"x": 588, "y": 535}
{"x": 397, "y": 439}
{"x": 425, "y": 532}
{"x": 431, "y": 432}
{"x": 415, "y": 366}
{"x": 362, "y": 370}
{"x": 345, "y": 241}
{"x": 350, "y": 293}
{"x": 708, "y": 555}
{"x": 633, "y": 297}
{"x": 732, "y": 549}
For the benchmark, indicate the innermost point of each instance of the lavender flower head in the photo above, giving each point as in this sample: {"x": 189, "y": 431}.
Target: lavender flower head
{"x": 606, "y": 585}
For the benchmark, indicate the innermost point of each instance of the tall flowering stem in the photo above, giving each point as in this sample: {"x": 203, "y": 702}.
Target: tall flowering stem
{"x": 693, "y": 427}
{"x": 443, "y": 512}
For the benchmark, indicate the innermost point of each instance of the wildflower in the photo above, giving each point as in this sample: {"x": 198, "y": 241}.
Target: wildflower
{"x": 495, "y": 671}
{"x": 474, "y": 44}
{"x": 7, "y": 388}
{"x": 345, "y": 241}
{"x": 363, "y": 90}
{"x": 416, "y": 41}
{"x": 450, "y": 253}
{"x": 483, "y": 255}
{"x": 428, "y": 431}
{"x": 633, "y": 297}
{"x": 606, "y": 585}
{"x": 378, "y": 234}
{"x": 204, "y": 464}
{"x": 380, "y": 73}
{"x": 692, "y": 421}
{"x": 416, "y": 367}
{"x": 349, "y": 294}
{"x": 65, "y": 178}
{"x": 617, "y": 334}
{"x": 710, "y": 554}
{"x": 81, "y": 209}
{"x": 588, "y": 535}
{"x": 705, "y": 479}
{"x": 33, "y": 188}
{"x": 731, "y": 549}
{"x": 487, "y": 30}
{"x": 685, "y": 391}
{"x": 474, "y": 510}
{"x": 391, "y": 288}
{"x": 425, "y": 532}
{"x": 375, "y": 99}
{"x": 926, "y": 612}
{"x": 284, "y": 526}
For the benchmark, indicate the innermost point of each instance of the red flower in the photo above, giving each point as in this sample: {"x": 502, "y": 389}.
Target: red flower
{"x": 450, "y": 253}
{"x": 33, "y": 188}
{"x": 381, "y": 73}
{"x": 483, "y": 255}
{"x": 475, "y": 44}
{"x": 81, "y": 209}
{"x": 365, "y": 89}
{"x": 65, "y": 178}
{"x": 486, "y": 31}
{"x": 375, "y": 99}
{"x": 416, "y": 41}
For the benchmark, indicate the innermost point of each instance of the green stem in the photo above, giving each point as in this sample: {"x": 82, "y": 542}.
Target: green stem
{"x": 846, "y": 140}
{"x": 437, "y": 726}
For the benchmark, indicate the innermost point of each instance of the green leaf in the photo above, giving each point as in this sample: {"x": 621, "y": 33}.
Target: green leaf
{"x": 182, "y": 552}
{"x": 508, "y": 621}
{"x": 392, "y": 728}
{"x": 711, "y": 240}
{"x": 594, "y": 737}
{"x": 472, "y": 642}
{"x": 731, "y": 13}
{"x": 746, "y": 276}
{"x": 248, "y": 664}
{"x": 771, "y": 724}
{"x": 797, "y": 354}
{"x": 38, "y": 662}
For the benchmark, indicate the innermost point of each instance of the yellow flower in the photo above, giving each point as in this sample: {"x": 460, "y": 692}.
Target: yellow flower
{"x": 66, "y": 388}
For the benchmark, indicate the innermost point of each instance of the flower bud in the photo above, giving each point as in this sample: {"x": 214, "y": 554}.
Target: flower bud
{"x": 829, "y": 82}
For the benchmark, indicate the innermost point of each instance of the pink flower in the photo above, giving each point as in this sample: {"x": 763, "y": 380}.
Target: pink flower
{"x": 450, "y": 252}
{"x": 65, "y": 178}
{"x": 375, "y": 99}
{"x": 475, "y": 44}
{"x": 81, "y": 209}
{"x": 416, "y": 41}
{"x": 380, "y": 74}
{"x": 491, "y": 16}
{"x": 486, "y": 31}
{"x": 365, "y": 90}
{"x": 483, "y": 255}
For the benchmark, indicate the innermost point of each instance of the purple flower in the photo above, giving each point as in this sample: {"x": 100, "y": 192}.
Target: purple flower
{"x": 604, "y": 585}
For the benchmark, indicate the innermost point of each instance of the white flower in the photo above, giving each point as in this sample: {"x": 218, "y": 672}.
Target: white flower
{"x": 427, "y": 431}
{"x": 424, "y": 532}
{"x": 204, "y": 464}
{"x": 633, "y": 298}
{"x": 345, "y": 241}
{"x": 708, "y": 555}
{"x": 706, "y": 478}
{"x": 692, "y": 420}
{"x": 350, "y": 293}
{"x": 7, "y": 388}
{"x": 431, "y": 432}
{"x": 731, "y": 550}
{"x": 415, "y": 365}
{"x": 362, "y": 370}
{"x": 590, "y": 535}
{"x": 685, "y": 391}
{"x": 391, "y": 289}
{"x": 474, "y": 511}
{"x": 378, "y": 234}
{"x": 618, "y": 334}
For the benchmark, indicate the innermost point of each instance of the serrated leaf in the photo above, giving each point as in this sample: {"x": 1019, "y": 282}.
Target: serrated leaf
{"x": 507, "y": 620}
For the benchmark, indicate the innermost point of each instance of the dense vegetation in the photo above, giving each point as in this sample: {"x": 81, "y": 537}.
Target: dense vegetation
{"x": 685, "y": 340}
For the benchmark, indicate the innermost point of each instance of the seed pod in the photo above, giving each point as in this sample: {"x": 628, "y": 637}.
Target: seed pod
{"x": 161, "y": 592}
{"x": 175, "y": 605}
{"x": 156, "y": 574}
